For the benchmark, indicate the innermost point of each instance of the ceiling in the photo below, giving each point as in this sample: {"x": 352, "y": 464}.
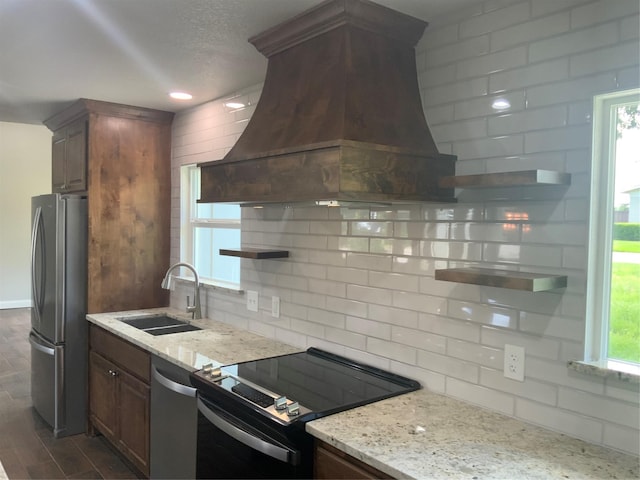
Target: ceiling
{"x": 136, "y": 51}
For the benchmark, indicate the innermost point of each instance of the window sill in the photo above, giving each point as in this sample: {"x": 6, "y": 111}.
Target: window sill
{"x": 617, "y": 370}
{"x": 213, "y": 285}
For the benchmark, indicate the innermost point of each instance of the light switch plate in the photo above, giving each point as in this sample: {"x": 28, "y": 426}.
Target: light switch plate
{"x": 275, "y": 307}
{"x": 252, "y": 300}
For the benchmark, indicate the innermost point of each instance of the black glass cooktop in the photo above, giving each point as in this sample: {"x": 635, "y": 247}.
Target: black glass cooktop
{"x": 321, "y": 382}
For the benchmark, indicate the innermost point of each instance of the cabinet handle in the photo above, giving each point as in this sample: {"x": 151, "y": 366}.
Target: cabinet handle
{"x": 113, "y": 373}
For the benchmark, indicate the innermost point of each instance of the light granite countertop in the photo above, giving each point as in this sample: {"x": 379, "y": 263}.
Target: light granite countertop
{"x": 426, "y": 435}
{"x": 217, "y": 342}
{"x": 418, "y": 435}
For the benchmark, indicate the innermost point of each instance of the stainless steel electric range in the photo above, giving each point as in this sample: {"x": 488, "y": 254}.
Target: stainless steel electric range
{"x": 252, "y": 414}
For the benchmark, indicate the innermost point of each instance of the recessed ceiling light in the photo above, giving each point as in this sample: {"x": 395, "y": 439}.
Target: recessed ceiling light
{"x": 500, "y": 104}
{"x": 234, "y": 105}
{"x": 181, "y": 95}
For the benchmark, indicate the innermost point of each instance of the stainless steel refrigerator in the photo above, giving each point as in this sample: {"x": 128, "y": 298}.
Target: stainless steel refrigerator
{"x": 58, "y": 334}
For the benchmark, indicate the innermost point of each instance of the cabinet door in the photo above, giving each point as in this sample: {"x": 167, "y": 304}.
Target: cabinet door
{"x": 102, "y": 395}
{"x": 58, "y": 168}
{"x": 76, "y": 157}
{"x": 134, "y": 419}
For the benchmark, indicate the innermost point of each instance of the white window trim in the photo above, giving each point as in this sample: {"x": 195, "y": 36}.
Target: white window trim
{"x": 601, "y": 241}
{"x": 186, "y": 232}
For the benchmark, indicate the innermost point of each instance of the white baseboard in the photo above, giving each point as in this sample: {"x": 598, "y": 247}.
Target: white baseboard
{"x": 6, "y": 305}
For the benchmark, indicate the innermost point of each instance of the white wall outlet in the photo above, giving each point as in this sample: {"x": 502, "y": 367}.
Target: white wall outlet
{"x": 252, "y": 300}
{"x": 514, "y": 362}
{"x": 275, "y": 307}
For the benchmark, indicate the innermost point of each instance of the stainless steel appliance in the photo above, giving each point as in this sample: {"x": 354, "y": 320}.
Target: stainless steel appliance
{"x": 58, "y": 334}
{"x": 174, "y": 421}
{"x": 252, "y": 415}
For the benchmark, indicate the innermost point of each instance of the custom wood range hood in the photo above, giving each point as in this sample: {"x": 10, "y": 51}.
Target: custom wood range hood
{"x": 339, "y": 118}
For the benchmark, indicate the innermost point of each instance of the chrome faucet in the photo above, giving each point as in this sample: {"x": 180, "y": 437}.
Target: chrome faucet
{"x": 195, "y": 310}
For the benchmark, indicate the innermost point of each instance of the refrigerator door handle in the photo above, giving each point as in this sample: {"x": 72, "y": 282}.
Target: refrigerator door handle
{"x": 33, "y": 340}
{"x": 36, "y": 292}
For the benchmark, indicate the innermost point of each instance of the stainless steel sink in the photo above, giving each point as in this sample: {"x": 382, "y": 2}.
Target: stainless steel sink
{"x": 160, "y": 324}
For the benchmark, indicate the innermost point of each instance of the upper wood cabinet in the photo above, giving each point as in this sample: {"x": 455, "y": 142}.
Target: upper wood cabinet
{"x": 120, "y": 157}
{"x": 69, "y": 158}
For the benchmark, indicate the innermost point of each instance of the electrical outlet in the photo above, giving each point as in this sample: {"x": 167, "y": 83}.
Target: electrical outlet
{"x": 252, "y": 300}
{"x": 275, "y": 307}
{"x": 514, "y": 362}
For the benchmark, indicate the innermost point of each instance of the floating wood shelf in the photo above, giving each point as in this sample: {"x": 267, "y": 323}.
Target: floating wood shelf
{"x": 507, "y": 179}
{"x": 530, "y": 282}
{"x": 255, "y": 253}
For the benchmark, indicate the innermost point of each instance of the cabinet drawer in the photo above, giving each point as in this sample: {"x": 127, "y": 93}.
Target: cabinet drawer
{"x": 131, "y": 358}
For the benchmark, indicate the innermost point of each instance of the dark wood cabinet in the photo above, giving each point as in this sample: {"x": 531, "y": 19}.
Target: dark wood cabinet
{"x": 331, "y": 463}
{"x": 120, "y": 157}
{"x": 69, "y": 158}
{"x": 119, "y": 395}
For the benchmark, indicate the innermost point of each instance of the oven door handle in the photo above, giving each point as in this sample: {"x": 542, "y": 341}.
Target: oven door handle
{"x": 278, "y": 452}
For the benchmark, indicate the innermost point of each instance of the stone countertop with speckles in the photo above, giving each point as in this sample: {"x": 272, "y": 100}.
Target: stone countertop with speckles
{"x": 424, "y": 435}
{"x": 217, "y": 342}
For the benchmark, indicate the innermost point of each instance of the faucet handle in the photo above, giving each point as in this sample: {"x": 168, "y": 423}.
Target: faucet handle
{"x": 191, "y": 308}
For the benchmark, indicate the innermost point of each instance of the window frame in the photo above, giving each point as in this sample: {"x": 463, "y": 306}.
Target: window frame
{"x": 189, "y": 222}
{"x": 600, "y": 248}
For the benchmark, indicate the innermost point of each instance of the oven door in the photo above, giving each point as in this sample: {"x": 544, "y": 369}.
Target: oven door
{"x": 233, "y": 447}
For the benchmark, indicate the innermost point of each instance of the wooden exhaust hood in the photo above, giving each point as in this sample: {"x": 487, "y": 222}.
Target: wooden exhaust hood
{"x": 339, "y": 118}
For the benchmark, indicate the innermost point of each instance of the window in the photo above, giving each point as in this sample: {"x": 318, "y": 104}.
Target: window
{"x": 613, "y": 290}
{"x": 205, "y": 229}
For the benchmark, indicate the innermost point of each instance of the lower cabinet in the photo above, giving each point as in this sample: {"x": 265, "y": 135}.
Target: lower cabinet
{"x": 331, "y": 463}
{"x": 119, "y": 393}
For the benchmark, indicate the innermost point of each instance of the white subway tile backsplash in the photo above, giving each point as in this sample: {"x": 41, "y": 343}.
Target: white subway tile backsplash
{"x": 622, "y": 438}
{"x": 395, "y": 316}
{"x": 381, "y": 296}
{"x": 484, "y": 314}
{"x": 612, "y": 411}
{"x": 530, "y": 75}
{"x": 536, "y": 29}
{"x": 545, "y": 7}
{"x": 559, "y": 420}
{"x": 434, "y": 382}
{"x": 579, "y": 89}
{"x": 348, "y": 275}
{"x": 457, "y": 91}
{"x": 605, "y": 59}
{"x": 479, "y": 395}
{"x": 528, "y": 120}
{"x": 465, "y": 129}
{"x": 369, "y": 328}
{"x": 534, "y": 346}
{"x": 490, "y": 147}
{"x": 597, "y": 12}
{"x": 472, "y": 352}
{"x": 452, "y": 367}
{"x": 630, "y": 27}
{"x": 492, "y": 62}
{"x": 573, "y": 42}
{"x": 369, "y": 262}
{"x": 391, "y": 350}
{"x": 419, "y": 339}
{"x": 495, "y": 20}
{"x": 394, "y": 281}
{"x": 536, "y": 391}
{"x": 345, "y": 338}
{"x": 449, "y": 327}
{"x": 441, "y": 56}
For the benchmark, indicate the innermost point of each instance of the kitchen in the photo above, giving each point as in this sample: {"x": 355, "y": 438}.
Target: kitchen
{"x": 350, "y": 291}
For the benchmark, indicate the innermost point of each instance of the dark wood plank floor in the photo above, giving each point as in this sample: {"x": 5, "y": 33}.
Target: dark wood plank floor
{"x": 27, "y": 446}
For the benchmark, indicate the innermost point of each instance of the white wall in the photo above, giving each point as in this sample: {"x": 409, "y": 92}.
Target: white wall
{"x": 25, "y": 171}
{"x": 361, "y": 282}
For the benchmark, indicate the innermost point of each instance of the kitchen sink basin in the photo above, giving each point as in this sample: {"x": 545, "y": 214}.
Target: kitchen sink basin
{"x": 160, "y": 324}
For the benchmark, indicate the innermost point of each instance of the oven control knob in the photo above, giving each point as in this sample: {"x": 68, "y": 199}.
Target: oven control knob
{"x": 280, "y": 403}
{"x": 293, "y": 409}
